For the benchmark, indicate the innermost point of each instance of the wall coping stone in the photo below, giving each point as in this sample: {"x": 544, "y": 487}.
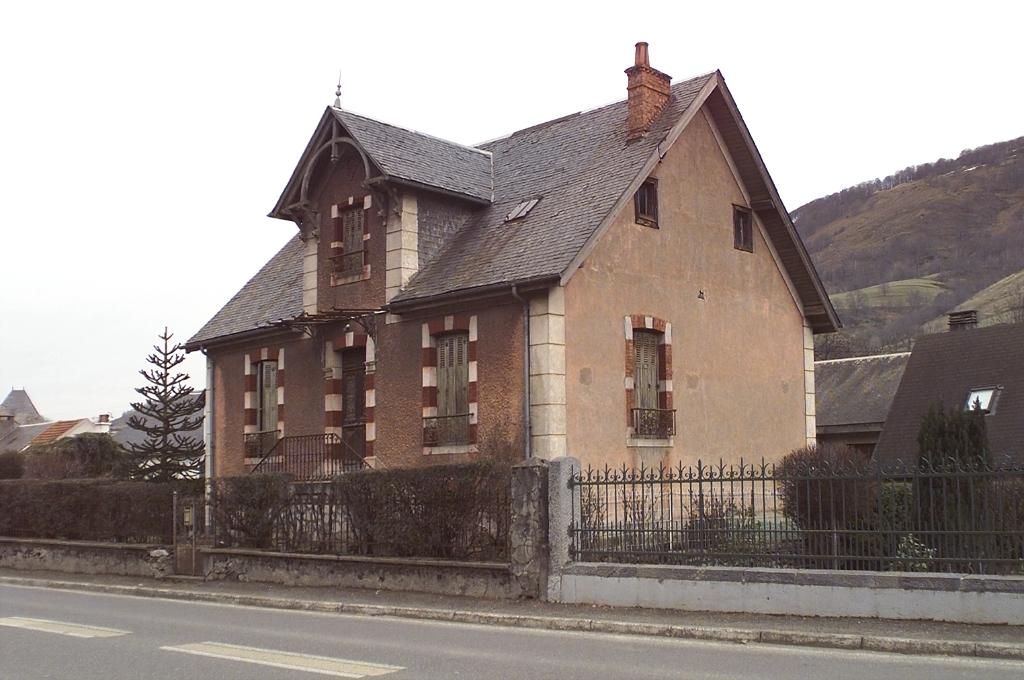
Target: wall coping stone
{"x": 365, "y": 559}
{"x": 146, "y": 547}
{"x": 810, "y": 577}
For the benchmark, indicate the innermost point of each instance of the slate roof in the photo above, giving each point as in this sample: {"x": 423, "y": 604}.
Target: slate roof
{"x": 275, "y": 292}
{"x": 21, "y": 436}
{"x": 857, "y": 390}
{"x": 944, "y": 367}
{"x": 580, "y": 165}
{"x": 421, "y": 158}
{"x": 18, "y": 403}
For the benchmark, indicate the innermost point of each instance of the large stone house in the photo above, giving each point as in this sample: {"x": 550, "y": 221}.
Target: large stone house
{"x": 622, "y": 285}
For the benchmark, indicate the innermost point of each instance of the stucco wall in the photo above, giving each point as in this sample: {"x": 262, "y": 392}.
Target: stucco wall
{"x": 738, "y": 361}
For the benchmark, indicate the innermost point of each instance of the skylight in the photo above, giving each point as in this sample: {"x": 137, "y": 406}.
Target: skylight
{"x": 522, "y": 209}
{"x": 980, "y": 399}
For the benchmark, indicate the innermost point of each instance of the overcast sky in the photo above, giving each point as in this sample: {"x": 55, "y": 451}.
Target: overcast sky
{"x": 142, "y": 144}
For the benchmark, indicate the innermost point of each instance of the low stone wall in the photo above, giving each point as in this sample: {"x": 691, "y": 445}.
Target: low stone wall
{"x": 807, "y": 592}
{"x": 85, "y": 557}
{"x": 476, "y": 579}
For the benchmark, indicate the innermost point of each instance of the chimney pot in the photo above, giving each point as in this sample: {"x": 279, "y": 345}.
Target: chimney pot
{"x": 642, "y": 59}
{"x": 104, "y": 417}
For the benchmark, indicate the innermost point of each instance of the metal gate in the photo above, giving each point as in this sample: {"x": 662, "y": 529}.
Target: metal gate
{"x": 189, "y": 525}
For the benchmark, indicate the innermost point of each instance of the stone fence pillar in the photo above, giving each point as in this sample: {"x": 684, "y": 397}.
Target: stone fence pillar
{"x": 560, "y": 516}
{"x": 528, "y": 531}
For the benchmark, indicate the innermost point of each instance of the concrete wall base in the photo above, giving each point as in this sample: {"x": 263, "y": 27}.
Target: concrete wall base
{"x": 85, "y": 557}
{"x": 888, "y": 595}
{"x": 475, "y": 579}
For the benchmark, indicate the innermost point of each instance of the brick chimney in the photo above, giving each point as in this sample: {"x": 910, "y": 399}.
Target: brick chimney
{"x": 649, "y": 90}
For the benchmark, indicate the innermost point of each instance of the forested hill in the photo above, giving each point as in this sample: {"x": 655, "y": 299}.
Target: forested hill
{"x": 896, "y": 252}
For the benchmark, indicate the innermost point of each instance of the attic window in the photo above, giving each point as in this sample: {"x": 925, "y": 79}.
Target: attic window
{"x": 981, "y": 399}
{"x": 743, "y": 228}
{"x": 522, "y": 209}
{"x": 646, "y": 203}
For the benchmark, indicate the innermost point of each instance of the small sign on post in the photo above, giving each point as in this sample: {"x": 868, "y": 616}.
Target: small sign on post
{"x": 187, "y": 517}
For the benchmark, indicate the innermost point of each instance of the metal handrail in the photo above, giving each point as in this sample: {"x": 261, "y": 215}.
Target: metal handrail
{"x": 311, "y": 457}
{"x": 654, "y": 423}
{"x": 446, "y": 430}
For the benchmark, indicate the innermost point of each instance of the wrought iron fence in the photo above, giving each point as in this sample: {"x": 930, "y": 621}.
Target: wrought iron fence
{"x": 310, "y": 457}
{"x": 446, "y": 430}
{"x": 654, "y": 423}
{"x": 948, "y": 517}
{"x": 259, "y": 444}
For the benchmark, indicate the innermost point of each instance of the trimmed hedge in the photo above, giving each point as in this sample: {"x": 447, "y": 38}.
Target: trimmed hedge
{"x": 88, "y": 509}
{"x": 444, "y": 511}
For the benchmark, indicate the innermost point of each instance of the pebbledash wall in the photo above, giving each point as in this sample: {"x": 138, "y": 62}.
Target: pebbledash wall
{"x": 802, "y": 592}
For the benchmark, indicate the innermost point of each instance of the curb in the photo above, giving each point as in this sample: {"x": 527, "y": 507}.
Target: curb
{"x": 990, "y": 650}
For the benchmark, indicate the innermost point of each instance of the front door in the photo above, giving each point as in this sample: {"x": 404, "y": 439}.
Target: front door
{"x": 353, "y": 404}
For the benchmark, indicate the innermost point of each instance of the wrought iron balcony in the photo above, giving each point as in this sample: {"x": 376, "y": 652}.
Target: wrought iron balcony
{"x": 259, "y": 444}
{"x": 446, "y": 430}
{"x": 654, "y": 423}
{"x": 312, "y": 457}
{"x": 348, "y": 264}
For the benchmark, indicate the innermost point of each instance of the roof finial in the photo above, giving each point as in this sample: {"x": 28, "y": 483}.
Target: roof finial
{"x": 337, "y": 93}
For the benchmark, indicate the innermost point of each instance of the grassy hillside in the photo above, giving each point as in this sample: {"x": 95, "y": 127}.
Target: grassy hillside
{"x": 1002, "y": 302}
{"x": 896, "y": 253}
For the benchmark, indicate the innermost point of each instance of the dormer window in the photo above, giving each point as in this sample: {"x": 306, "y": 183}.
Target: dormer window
{"x": 982, "y": 399}
{"x": 646, "y": 203}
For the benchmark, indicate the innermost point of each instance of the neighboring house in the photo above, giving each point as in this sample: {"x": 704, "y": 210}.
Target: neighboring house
{"x": 961, "y": 369}
{"x": 853, "y": 396}
{"x": 36, "y": 430}
{"x": 622, "y": 285}
{"x": 18, "y": 404}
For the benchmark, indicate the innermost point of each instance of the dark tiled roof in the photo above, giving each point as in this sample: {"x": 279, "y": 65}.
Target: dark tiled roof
{"x": 944, "y": 367}
{"x": 19, "y": 404}
{"x": 580, "y": 165}
{"x": 275, "y": 292}
{"x": 421, "y": 158}
{"x": 858, "y": 390}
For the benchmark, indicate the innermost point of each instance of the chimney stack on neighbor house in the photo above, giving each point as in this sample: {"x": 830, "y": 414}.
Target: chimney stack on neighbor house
{"x": 964, "y": 320}
{"x": 103, "y": 423}
{"x": 649, "y": 91}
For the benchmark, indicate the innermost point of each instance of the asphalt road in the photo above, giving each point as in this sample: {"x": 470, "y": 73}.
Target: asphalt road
{"x": 60, "y": 634}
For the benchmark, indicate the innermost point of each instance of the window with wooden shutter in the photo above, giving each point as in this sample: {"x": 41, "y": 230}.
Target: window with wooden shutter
{"x": 351, "y": 237}
{"x": 645, "y": 373}
{"x": 453, "y": 374}
{"x": 267, "y": 396}
{"x": 743, "y": 229}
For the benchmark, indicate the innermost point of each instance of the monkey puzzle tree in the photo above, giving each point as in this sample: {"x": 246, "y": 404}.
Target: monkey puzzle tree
{"x": 169, "y": 412}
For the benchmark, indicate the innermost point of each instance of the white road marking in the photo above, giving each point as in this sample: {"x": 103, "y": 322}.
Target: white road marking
{"x": 61, "y": 628}
{"x": 325, "y": 665}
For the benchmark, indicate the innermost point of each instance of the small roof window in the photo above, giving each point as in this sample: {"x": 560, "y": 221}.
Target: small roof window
{"x": 981, "y": 399}
{"x": 522, "y": 209}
